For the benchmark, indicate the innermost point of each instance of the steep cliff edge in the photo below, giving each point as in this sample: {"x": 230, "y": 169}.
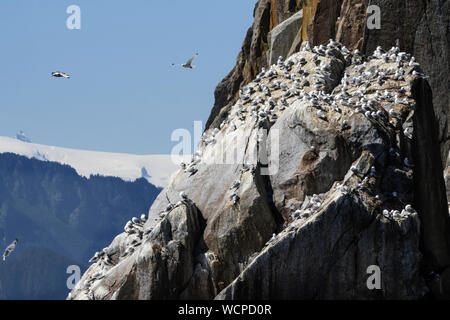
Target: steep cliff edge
{"x": 326, "y": 166}
{"x": 421, "y": 26}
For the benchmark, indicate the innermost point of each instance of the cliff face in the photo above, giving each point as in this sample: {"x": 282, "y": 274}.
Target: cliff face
{"x": 421, "y": 26}
{"x": 312, "y": 171}
{"x": 254, "y": 55}
{"x": 327, "y": 165}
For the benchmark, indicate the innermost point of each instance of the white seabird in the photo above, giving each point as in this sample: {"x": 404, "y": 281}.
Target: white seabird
{"x": 183, "y": 196}
{"x": 236, "y": 184}
{"x": 188, "y": 64}
{"x": 10, "y": 249}
{"x": 58, "y": 74}
{"x": 274, "y": 237}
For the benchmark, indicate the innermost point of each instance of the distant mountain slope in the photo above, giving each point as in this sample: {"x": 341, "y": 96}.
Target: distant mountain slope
{"x": 49, "y": 206}
{"x": 157, "y": 169}
{"x": 36, "y": 273}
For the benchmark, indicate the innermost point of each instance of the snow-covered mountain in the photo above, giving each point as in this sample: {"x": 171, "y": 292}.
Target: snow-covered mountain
{"x": 22, "y": 136}
{"x": 157, "y": 169}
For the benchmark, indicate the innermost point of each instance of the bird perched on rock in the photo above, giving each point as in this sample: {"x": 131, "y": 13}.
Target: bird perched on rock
{"x": 234, "y": 198}
{"x": 58, "y": 74}
{"x": 10, "y": 249}
{"x": 137, "y": 221}
{"x": 413, "y": 63}
{"x": 183, "y": 196}
{"x": 274, "y": 237}
{"x": 420, "y": 75}
{"x": 236, "y": 184}
{"x": 188, "y": 64}
{"x": 409, "y": 208}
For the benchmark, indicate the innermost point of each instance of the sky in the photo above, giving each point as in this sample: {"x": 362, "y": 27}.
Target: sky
{"x": 123, "y": 95}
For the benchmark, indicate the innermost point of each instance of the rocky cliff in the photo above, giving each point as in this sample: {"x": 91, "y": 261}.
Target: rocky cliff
{"x": 422, "y": 28}
{"x": 314, "y": 170}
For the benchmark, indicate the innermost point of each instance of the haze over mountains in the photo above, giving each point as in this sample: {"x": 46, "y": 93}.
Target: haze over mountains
{"x": 155, "y": 168}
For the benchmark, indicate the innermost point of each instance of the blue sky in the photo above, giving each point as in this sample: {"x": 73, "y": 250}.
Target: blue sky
{"x": 123, "y": 95}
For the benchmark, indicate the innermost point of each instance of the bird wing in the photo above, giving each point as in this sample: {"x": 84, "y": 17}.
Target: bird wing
{"x": 7, "y": 252}
{"x": 11, "y": 247}
{"x": 192, "y": 59}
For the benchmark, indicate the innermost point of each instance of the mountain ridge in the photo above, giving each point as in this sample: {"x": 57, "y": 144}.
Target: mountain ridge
{"x": 128, "y": 167}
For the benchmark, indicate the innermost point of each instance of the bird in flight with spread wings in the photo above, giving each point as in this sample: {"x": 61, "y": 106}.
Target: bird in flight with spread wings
{"x": 10, "y": 249}
{"x": 59, "y": 74}
{"x": 187, "y": 65}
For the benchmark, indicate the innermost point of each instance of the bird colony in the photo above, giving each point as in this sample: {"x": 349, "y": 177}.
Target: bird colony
{"x": 338, "y": 88}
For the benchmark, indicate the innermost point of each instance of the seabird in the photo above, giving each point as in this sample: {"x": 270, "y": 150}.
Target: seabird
{"x": 10, "y": 249}
{"x": 418, "y": 74}
{"x": 321, "y": 115}
{"x": 296, "y": 214}
{"x": 236, "y": 184}
{"x": 188, "y": 65}
{"x": 235, "y": 198}
{"x": 127, "y": 251}
{"x": 413, "y": 62}
{"x": 274, "y": 237}
{"x": 58, "y": 74}
{"x": 394, "y": 114}
{"x": 96, "y": 257}
{"x": 183, "y": 196}
{"x": 306, "y": 214}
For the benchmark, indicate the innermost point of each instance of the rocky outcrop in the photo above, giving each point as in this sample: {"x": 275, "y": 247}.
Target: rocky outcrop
{"x": 159, "y": 266}
{"x": 285, "y": 38}
{"x": 420, "y": 26}
{"x": 302, "y": 265}
{"x": 254, "y": 55}
{"x": 326, "y": 167}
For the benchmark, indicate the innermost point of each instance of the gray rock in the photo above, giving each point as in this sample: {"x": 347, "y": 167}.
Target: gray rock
{"x": 229, "y": 240}
{"x": 282, "y": 37}
{"x": 303, "y": 265}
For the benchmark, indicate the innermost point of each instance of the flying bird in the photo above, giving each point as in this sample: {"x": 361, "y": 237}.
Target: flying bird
{"x": 188, "y": 65}
{"x": 58, "y": 74}
{"x": 10, "y": 249}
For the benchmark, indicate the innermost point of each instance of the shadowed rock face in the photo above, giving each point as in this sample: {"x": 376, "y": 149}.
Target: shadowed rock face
{"x": 327, "y": 164}
{"x": 313, "y": 261}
